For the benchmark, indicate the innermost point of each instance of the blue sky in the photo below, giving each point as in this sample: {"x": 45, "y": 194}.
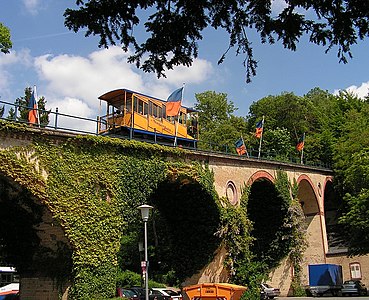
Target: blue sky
{"x": 72, "y": 72}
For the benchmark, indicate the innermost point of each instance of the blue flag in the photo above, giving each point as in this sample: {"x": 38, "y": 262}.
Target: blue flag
{"x": 32, "y": 106}
{"x": 240, "y": 147}
{"x": 174, "y": 103}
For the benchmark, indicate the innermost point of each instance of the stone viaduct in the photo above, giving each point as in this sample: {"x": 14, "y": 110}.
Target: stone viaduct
{"x": 231, "y": 173}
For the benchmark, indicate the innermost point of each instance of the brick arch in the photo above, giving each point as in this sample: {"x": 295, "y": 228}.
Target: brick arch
{"x": 260, "y": 175}
{"x": 327, "y": 179}
{"x": 307, "y": 178}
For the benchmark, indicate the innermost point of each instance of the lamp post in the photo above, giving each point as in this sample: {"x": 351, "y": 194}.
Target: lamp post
{"x": 145, "y": 211}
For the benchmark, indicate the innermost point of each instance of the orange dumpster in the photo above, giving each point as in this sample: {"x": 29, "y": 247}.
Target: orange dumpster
{"x": 214, "y": 291}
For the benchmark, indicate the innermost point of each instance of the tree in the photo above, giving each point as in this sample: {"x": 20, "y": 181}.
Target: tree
{"x": 219, "y": 128}
{"x": 22, "y": 104}
{"x": 278, "y": 143}
{"x": 352, "y": 177}
{"x": 174, "y": 27}
{"x": 5, "y": 42}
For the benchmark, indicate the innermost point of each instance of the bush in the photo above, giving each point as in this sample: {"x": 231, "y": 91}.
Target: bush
{"x": 126, "y": 279}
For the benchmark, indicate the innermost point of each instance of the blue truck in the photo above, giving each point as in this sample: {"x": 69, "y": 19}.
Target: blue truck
{"x": 324, "y": 279}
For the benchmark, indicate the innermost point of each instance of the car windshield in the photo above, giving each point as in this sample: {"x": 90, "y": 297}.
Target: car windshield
{"x": 128, "y": 293}
{"x": 267, "y": 285}
{"x": 138, "y": 291}
{"x": 171, "y": 293}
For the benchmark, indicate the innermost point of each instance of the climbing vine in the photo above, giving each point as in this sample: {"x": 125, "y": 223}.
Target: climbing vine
{"x": 299, "y": 241}
{"x": 250, "y": 268}
{"x": 93, "y": 186}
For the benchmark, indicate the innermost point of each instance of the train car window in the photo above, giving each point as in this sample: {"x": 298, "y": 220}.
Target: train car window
{"x": 140, "y": 108}
{"x": 135, "y": 104}
{"x": 161, "y": 111}
{"x": 146, "y": 109}
{"x": 171, "y": 119}
{"x": 182, "y": 118}
{"x": 155, "y": 110}
{"x": 150, "y": 108}
{"x": 129, "y": 104}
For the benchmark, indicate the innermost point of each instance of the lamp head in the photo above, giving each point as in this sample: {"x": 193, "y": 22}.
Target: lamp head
{"x": 145, "y": 211}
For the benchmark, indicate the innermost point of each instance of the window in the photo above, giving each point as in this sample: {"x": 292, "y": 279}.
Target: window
{"x": 140, "y": 107}
{"x": 155, "y": 110}
{"x": 161, "y": 112}
{"x": 135, "y": 104}
{"x": 150, "y": 108}
{"x": 182, "y": 118}
{"x": 231, "y": 193}
{"x": 355, "y": 271}
{"x": 129, "y": 104}
{"x": 146, "y": 109}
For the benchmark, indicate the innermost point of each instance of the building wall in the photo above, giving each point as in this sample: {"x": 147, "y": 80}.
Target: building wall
{"x": 311, "y": 194}
{"x": 231, "y": 174}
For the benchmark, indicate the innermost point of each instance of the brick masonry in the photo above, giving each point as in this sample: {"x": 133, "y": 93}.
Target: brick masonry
{"x": 231, "y": 174}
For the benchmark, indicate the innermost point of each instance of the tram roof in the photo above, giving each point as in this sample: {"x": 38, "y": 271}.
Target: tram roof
{"x": 114, "y": 93}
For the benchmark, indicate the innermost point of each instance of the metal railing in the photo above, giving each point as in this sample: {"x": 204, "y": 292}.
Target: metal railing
{"x": 81, "y": 125}
{"x": 57, "y": 120}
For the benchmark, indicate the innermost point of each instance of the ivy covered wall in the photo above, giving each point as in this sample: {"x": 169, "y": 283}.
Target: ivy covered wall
{"x": 93, "y": 185}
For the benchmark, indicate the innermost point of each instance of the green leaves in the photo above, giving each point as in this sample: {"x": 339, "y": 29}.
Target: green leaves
{"x": 175, "y": 27}
{"x": 5, "y": 42}
{"x": 219, "y": 128}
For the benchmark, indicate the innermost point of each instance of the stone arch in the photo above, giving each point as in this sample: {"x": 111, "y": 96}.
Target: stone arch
{"x": 266, "y": 210}
{"x": 332, "y": 206}
{"x": 261, "y": 174}
{"x": 32, "y": 240}
{"x": 186, "y": 218}
{"x": 308, "y": 197}
{"x": 314, "y": 206}
{"x": 328, "y": 182}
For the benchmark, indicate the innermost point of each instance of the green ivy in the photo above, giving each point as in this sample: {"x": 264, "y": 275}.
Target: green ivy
{"x": 94, "y": 186}
{"x": 250, "y": 268}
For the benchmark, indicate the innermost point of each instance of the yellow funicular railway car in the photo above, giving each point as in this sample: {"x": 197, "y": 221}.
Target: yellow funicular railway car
{"x": 137, "y": 116}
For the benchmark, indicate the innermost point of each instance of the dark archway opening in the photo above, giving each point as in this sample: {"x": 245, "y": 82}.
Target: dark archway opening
{"x": 18, "y": 218}
{"x": 181, "y": 233}
{"x": 267, "y": 211}
{"x": 26, "y": 241}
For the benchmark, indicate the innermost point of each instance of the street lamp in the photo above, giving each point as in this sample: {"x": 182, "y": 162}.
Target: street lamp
{"x": 145, "y": 211}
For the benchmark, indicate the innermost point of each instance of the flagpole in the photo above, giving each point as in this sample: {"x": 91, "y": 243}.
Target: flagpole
{"x": 176, "y": 125}
{"x": 261, "y": 137}
{"x": 302, "y": 151}
{"x": 247, "y": 154}
{"x": 36, "y": 101}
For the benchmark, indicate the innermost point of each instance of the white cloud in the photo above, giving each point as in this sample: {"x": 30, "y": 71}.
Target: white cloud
{"x": 104, "y": 70}
{"x": 278, "y": 6}
{"x": 32, "y": 6}
{"x": 22, "y": 59}
{"x": 71, "y": 107}
{"x": 87, "y": 78}
{"x": 74, "y": 83}
{"x": 200, "y": 70}
{"x": 361, "y": 91}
